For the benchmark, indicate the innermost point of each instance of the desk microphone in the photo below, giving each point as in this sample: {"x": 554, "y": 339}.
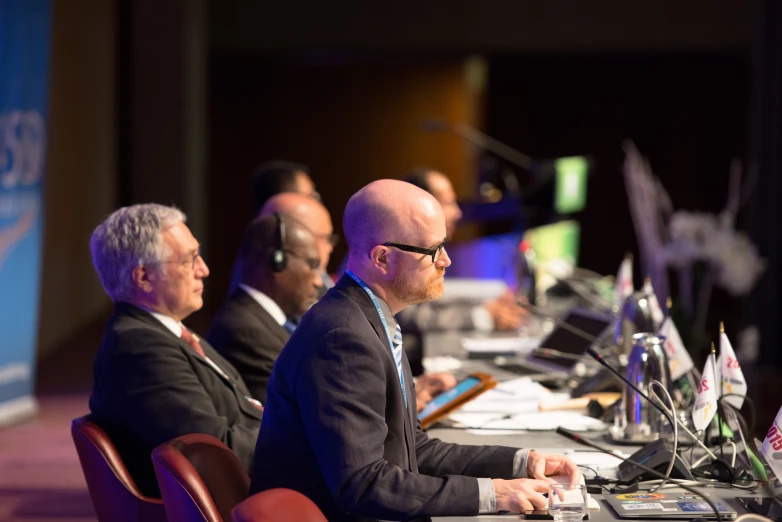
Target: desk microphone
{"x": 550, "y": 353}
{"x": 575, "y": 437}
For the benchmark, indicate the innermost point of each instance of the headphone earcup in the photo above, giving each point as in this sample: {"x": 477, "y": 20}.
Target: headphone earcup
{"x": 722, "y": 471}
{"x": 278, "y": 260}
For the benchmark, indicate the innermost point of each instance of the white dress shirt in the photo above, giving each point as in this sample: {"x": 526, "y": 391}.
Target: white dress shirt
{"x": 267, "y": 303}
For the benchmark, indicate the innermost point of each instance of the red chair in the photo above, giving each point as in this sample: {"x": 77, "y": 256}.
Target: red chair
{"x": 114, "y": 493}
{"x": 200, "y": 478}
{"x": 277, "y": 505}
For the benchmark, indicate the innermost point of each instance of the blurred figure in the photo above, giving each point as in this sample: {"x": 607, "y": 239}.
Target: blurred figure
{"x": 313, "y": 215}
{"x": 441, "y": 188}
{"x": 154, "y": 379}
{"x": 280, "y": 279}
{"x": 500, "y": 314}
{"x": 275, "y": 177}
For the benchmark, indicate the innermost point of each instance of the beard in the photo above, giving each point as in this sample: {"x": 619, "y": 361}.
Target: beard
{"x": 410, "y": 290}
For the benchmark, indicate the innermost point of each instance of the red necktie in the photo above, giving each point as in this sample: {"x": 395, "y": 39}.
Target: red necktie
{"x": 192, "y": 340}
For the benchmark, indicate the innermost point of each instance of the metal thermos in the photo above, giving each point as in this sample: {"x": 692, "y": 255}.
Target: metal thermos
{"x": 646, "y": 362}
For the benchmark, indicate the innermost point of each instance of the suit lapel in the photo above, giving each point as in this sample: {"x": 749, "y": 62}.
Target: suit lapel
{"x": 245, "y": 300}
{"x": 147, "y": 318}
{"x": 349, "y": 287}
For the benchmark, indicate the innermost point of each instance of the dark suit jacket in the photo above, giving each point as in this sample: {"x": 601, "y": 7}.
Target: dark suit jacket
{"x": 336, "y": 427}
{"x": 150, "y": 387}
{"x": 249, "y": 338}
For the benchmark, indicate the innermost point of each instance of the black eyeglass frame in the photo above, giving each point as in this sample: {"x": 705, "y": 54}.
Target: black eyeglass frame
{"x": 434, "y": 252}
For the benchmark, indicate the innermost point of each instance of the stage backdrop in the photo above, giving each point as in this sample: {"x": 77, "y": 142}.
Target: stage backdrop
{"x": 25, "y": 27}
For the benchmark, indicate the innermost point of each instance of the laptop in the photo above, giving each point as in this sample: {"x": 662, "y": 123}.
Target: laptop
{"x": 668, "y": 504}
{"x": 560, "y": 350}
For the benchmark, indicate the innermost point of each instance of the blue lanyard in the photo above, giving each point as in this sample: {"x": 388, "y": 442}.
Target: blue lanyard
{"x": 371, "y": 295}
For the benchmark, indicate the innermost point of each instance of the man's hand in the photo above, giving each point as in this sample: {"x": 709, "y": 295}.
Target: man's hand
{"x": 543, "y": 465}
{"x": 431, "y": 385}
{"x": 520, "y": 494}
{"x": 505, "y": 312}
{"x": 435, "y": 383}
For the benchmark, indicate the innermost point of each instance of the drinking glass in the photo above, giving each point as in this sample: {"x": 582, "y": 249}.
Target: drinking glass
{"x": 567, "y": 502}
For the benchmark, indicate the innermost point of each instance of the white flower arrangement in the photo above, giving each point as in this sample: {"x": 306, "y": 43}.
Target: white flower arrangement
{"x": 697, "y": 236}
{"x": 679, "y": 239}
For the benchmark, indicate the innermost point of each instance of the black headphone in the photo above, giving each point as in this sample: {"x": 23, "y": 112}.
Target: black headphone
{"x": 277, "y": 258}
{"x": 717, "y": 469}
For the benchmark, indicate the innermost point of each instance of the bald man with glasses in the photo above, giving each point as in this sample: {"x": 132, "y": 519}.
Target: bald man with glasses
{"x": 340, "y": 423}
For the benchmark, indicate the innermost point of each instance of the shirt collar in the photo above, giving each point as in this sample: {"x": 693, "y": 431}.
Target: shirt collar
{"x": 169, "y": 322}
{"x": 387, "y": 312}
{"x": 266, "y": 302}
{"x": 390, "y": 321}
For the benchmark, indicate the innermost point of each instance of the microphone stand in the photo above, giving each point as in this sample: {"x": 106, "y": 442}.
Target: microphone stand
{"x": 499, "y": 148}
{"x": 575, "y": 437}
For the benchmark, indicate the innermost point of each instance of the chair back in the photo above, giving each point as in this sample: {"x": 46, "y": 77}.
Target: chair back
{"x": 200, "y": 478}
{"x": 114, "y": 493}
{"x": 277, "y": 505}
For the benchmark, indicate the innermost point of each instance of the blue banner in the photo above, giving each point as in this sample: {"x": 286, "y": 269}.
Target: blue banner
{"x": 25, "y": 34}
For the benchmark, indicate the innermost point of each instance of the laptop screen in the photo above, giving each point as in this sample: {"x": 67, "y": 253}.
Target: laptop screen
{"x": 565, "y": 341}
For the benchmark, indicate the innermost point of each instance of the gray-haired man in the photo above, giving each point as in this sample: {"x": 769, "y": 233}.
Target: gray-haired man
{"x": 154, "y": 379}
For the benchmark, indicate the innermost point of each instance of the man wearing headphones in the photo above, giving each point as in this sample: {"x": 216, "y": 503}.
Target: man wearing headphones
{"x": 280, "y": 278}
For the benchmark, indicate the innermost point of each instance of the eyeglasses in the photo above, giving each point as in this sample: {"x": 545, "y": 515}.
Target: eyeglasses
{"x": 434, "y": 252}
{"x": 313, "y": 263}
{"x": 191, "y": 260}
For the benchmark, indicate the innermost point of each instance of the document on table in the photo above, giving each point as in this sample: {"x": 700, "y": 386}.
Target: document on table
{"x": 505, "y": 345}
{"x": 488, "y": 423}
{"x": 514, "y": 405}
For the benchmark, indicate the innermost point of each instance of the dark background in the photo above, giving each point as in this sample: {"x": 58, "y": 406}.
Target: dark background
{"x": 177, "y": 101}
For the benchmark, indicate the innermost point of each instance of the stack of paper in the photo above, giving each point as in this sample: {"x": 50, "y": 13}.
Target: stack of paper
{"x": 515, "y": 405}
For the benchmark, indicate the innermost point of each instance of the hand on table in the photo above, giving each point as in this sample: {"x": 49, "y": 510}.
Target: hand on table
{"x": 544, "y": 465}
{"x": 506, "y": 312}
{"x": 519, "y": 495}
{"x": 431, "y": 385}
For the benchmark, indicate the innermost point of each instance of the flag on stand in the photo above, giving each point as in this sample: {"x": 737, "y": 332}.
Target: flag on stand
{"x": 679, "y": 360}
{"x": 732, "y": 377}
{"x": 771, "y": 449}
{"x": 706, "y": 401}
{"x": 624, "y": 281}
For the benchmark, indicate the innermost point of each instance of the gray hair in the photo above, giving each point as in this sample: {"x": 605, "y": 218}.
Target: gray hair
{"x": 130, "y": 237}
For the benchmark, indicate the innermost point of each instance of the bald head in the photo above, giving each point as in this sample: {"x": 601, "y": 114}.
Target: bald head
{"x": 310, "y": 213}
{"x": 391, "y": 211}
{"x": 411, "y": 269}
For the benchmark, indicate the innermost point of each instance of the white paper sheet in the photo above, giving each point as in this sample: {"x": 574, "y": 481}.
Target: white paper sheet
{"x": 488, "y": 423}
{"x": 508, "y": 345}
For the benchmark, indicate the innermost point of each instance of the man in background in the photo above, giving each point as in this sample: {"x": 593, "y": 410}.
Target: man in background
{"x": 312, "y": 214}
{"x": 275, "y": 177}
{"x": 499, "y": 314}
{"x": 154, "y": 379}
{"x": 280, "y": 279}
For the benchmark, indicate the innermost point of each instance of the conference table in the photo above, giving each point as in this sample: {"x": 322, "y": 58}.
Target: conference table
{"x": 448, "y": 344}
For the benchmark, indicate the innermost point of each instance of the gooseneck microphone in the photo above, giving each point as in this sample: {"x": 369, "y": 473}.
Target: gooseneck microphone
{"x": 599, "y": 358}
{"x": 578, "y": 439}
